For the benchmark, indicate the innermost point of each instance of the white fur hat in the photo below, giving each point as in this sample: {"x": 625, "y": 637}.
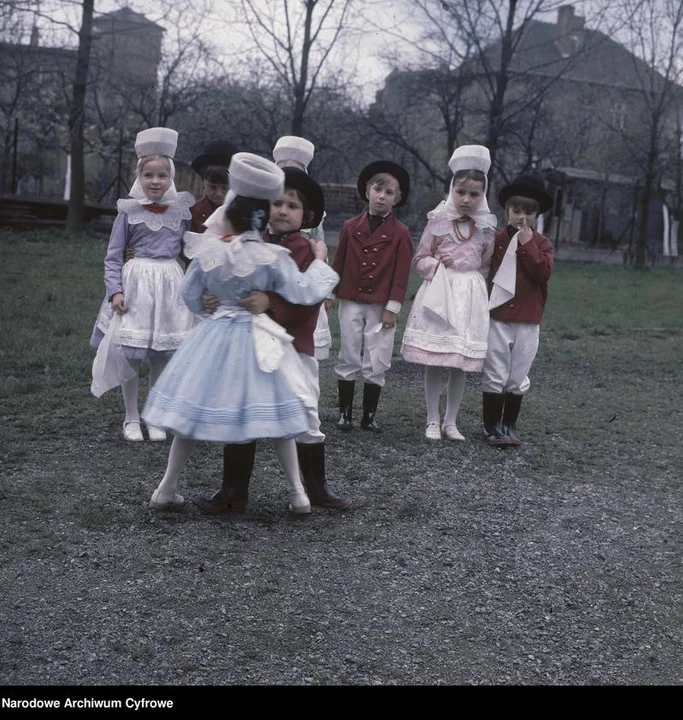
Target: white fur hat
{"x": 291, "y": 147}
{"x": 156, "y": 141}
{"x": 255, "y": 177}
{"x": 470, "y": 157}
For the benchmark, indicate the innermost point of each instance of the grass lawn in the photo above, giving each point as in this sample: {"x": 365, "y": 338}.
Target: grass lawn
{"x": 590, "y": 503}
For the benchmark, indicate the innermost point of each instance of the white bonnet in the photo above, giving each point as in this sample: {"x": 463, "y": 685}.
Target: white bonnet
{"x": 291, "y": 147}
{"x": 470, "y": 157}
{"x": 156, "y": 141}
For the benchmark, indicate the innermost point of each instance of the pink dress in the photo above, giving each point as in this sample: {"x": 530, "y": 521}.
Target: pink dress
{"x": 449, "y": 319}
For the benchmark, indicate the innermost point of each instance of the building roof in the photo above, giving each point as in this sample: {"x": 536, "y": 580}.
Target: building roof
{"x": 596, "y": 59}
{"x": 127, "y": 16}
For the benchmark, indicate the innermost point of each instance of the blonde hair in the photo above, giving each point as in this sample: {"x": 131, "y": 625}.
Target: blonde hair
{"x": 147, "y": 158}
{"x": 381, "y": 180}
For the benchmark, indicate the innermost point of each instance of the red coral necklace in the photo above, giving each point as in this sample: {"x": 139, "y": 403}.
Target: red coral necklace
{"x": 459, "y": 234}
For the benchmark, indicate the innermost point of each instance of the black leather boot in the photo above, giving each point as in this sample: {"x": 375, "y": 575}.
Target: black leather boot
{"x": 238, "y": 464}
{"x": 492, "y": 405}
{"x": 345, "y": 388}
{"x": 510, "y": 415}
{"x": 371, "y": 395}
{"x": 312, "y": 466}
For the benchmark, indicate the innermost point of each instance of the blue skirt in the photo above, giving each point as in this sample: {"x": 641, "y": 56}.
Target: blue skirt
{"x": 213, "y": 389}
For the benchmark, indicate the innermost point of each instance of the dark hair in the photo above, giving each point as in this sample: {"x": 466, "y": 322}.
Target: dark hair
{"x": 248, "y": 214}
{"x": 476, "y": 175}
{"x": 302, "y": 198}
{"x": 525, "y": 204}
{"x": 216, "y": 174}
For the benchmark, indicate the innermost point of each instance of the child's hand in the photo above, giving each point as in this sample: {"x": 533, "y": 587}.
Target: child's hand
{"x": 328, "y": 304}
{"x": 128, "y": 254}
{"x": 388, "y": 319}
{"x": 118, "y": 304}
{"x": 210, "y": 302}
{"x": 525, "y": 232}
{"x": 319, "y": 249}
{"x": 256, "y": 302}
{"x": 446, "y": 261}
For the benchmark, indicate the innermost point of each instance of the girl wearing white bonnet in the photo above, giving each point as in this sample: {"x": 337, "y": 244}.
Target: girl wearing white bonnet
{"x": 143, "y": 316}
{"x": 448, "y": 323}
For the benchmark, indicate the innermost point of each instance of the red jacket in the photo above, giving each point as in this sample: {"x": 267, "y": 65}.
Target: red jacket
{"x": 298, "y": 320}
{"x": 534, "y": 267}
{"x": 200, "y": 212}
{"x": 373, "y": 267}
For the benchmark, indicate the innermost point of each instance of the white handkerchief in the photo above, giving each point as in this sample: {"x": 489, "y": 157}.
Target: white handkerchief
{"x": 380, "y": 345}
{"x": 505, "y": 280}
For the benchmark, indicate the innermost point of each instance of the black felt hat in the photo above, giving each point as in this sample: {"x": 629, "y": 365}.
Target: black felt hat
{"x": 528, "y": 186}
{"x": 296, "y": 179}
{"x": 218, "y": 152}
{"x": 385, "y": 166}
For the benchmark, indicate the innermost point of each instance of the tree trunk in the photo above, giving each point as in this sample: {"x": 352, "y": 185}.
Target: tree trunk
{"x": 75, "y": 215}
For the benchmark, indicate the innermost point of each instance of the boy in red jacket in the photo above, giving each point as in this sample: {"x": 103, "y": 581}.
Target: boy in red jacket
{"x": 373, "y": 261}
{"x": 518, "y": 282}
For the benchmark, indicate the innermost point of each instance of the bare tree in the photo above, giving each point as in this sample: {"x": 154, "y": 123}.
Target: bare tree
{"x": 655, "y": 36}
{"x": 297, "y": 37}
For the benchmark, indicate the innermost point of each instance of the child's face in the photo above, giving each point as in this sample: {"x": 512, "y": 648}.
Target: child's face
{"x": 516, "y": 217}
{"x": 382, "y": 198}
{"x": 286, "y": 213}
{"x": 467, "y": 195}
{"x": 216, "y": 192}
{"x": 155, "y": 178}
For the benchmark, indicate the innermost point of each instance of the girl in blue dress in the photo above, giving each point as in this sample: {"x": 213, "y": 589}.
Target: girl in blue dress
{"x": 238, "y": 378}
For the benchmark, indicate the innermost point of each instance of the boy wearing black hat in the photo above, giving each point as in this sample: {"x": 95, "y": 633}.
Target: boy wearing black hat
{"x": 372, "y": 259}
{"x": 301, "y": 206}
{"x": 212, "y": 166}
{"x": 518, "y": 283}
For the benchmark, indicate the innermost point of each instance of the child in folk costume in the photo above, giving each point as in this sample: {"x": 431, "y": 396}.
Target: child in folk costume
{"x": 373, "y": 261}
{"x": 237, "y": 377}
{"x": 143, "y": 315}
{"x": 212, "y": 166}
{"x": 297, "y": 152}
{"x": 448, "y": 322}
{"x": 301, "y": 206}
{"x": 520, "y": 269}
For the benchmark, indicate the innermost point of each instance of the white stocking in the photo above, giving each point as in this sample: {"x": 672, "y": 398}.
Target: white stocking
{"x": 456, "y": 389}
{"x": 432, "y": 392}
{"x": 129, "y": 388}
{"x": 180, "y": 451}
{"x": 286, "y": 454}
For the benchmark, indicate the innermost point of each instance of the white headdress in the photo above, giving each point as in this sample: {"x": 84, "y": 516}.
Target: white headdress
{"x": 291, "y": 147}
{"x": 467, "y": 157}
{"x": 163, "y": 142}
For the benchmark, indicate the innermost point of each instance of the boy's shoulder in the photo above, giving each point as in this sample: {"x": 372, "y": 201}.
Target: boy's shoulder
{"x": 355, "y": 220}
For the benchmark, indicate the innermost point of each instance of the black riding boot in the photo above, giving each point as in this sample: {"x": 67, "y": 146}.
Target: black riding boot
{"x": 371, "y": 395}
{"x": 346, "y": 388}
{"x": 510, "y": 415}
{"x": 238, "y": 464}
{"x": 492, "y": 404}
{"x": 312, "y": 466}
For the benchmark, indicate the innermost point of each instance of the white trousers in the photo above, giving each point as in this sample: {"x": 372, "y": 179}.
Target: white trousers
{"x": 512, "y": 348}
{"x": 355, "y": 320}
{"x": 311, "y": 374}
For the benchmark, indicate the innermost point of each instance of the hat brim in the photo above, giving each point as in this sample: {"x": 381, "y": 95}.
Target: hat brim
{"x": 296, "y": 179}
{"x": 203, "y": 161}
{"x": 544, "y": 200}
{"x": 385, "y": 166}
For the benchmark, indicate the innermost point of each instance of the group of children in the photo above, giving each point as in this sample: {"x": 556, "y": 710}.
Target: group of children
{"x": 233, "y": 343}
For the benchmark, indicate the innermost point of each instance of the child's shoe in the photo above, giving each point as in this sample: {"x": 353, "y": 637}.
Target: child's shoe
{"x": 433, "y": 431}
{"x": 156, "y": 434}
{"x": 160, "y": 503}
{"x": 132, "y": 431}
{"x": 452, "y": 432}
{"x": 299, "y": 504}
